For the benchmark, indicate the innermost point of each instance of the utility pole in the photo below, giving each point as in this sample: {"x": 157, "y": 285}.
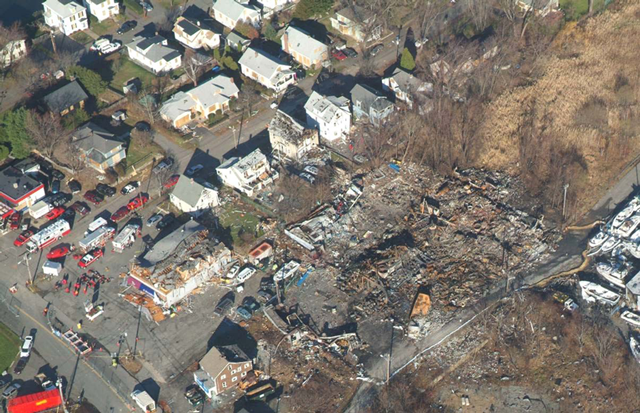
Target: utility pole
{"x": 564, "y": 200}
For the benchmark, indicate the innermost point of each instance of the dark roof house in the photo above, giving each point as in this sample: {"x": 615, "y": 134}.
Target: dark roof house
{"x": 66, "y": 99}
{"x": 368, "y": 102}
{"x": 19, "y": 190}
{"x": 100, "y": 148}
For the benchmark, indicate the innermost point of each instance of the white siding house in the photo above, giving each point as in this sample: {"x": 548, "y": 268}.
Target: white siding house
{"x": 154, "y": 54}
{"x": 231, "y": 12}
{"x": 12, "y": 52}
{"x": 267, "y": 70}
{"x": 66, "y": 16}
{"x": 192, "y": 197}
{"x": 330, "y": 115}
{"x": 248, "y": 174}
{"x": 195, "y": 34}
{"x": 103, "y": 9}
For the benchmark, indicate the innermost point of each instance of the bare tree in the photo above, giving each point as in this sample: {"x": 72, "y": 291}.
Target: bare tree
{"x": 170, "y": 16}
{"x": 194, "y": 65}
{"x": 162, "y": 175}
{"x": 480, "y": 12}
{"x": 510, "y": 10}
{"x": 428, "y": 12}
{"x": 46, "y": 131}
{"x": 161, "y": 86}
{"x": 44, "y": 28}
{"x": 72, "y": 155}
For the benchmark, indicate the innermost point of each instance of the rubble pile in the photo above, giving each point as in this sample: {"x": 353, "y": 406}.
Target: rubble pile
{"x": 455, "y": 235}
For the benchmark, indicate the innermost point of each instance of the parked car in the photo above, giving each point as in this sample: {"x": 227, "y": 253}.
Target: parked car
{"x": 80, "y": 208}
{"x": 111, "y": 47}
{"x": 58, "y": 199}
{"x": 165, "y": 221}
{"x": 245, "y": 274}
{"x": 153, "y": 219}
{"x": 138, "y": 202}
{"x": 14, "y": 221}
{"x": 146, "y": 6}
{"x": 120, "y": 214}
{"x": 55, "y": 186}
{"x": 163, "y": 164}
{"x": 223, "y": 307}
{"x": 127, "y": 26}
{"x": 58, "y": 251}
{"x": 90, "y": 258}
{"x": 244, "y": 313}
{"x": 54, "y": 213}
{"x": 194, "y": 395}
{"x": 23, "y": 238}
{"x": 308, "y": 177}
{"x": 93, "y": 197}
{"x": 376, "y": 49}
{"x": 27, "y": 344}
{"x": 99, "y": 44}
{"x": 74, "y": 186}
{"x": 11, "y": 391}
{"x": 313, "y": 170}
{"x": 130, "y": 187}
{"x": 143, "y": 127}
{"x": 20, "y": 365}
{"x": 106, "y": 190}
{"x": 193, "y": 170}
{"x": 56, "y": 174}
{"x": 338, "y": 55}
{"x": 350, "y": 52}
{"x": 172, "y": 181}
{"x": 233, "y": 271}
{"x": 265, "y": 295}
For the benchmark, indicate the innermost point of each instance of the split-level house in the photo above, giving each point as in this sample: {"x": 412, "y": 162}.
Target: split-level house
{"x": 304, "y": 49}
{"x": 68, "y": 16}
{"x": 248, "y": 174}
{"x": 154, "y": 54}
{"x": 103, "y": 9}
{"x": 352, "y": 22}
{"x": 221, "y": 369}
{"x": 99, "y": 148}
{"x": 290, "y": 138}
{"x": 231, "y": 12}
{"x": 329, "y": 114}
{"x": 200, "y": 102}
{"x": 196, "y": 34}
{"x": 267, "y": 70}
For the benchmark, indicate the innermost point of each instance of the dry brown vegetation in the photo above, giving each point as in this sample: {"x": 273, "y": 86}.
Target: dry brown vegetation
{"x": 576, "y": 120}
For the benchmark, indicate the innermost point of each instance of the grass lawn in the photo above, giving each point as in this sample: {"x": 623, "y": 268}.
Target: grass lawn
{"x": 129, "y": 70}
{"x": 133, "y": 6}
{"x": 103, "y": 27}
{"x": 574, "y": 9}
{"x": 242, "y": 225}
{"x": 139, "y": 151}
{"x": 9, "y": 346}
{"x": 82, "y": 37}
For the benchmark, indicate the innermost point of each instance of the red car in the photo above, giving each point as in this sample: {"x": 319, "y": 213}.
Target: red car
{"x": 55, "y": 213}
{"x": 80, "y": 208}
{"x": 338, "y": 55}
{"x": 119, "y": 214}
{"x": 14, "y": 220}
{"x": 58, "y": 252}
{"x": 138, "y": 202}
{"x": 23, "y": 238}
{"x": 93, "y": 197}
{"x": 172, "y": 181}
{"x": 90, "y": 258}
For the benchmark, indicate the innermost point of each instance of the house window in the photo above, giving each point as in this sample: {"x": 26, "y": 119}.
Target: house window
{"x": 244, "y": 373}
{"x": 246, "y": 365}
{"x": 234, "y": 379}
{"x": 224, "y": 385}
{"x": 224, "y": 376}
{"x": 229, "y": 367}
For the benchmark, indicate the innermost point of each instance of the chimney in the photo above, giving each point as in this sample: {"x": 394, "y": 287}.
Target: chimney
{"x": 15, "y": 185}
{"x": 285, "y": 42}
{"x": 198, "y": 23}
{"x": 231, "y": 80}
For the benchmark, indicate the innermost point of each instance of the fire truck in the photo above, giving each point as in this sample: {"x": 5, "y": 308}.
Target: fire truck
{"x": 126, "y": 237}
{"x": 96, "y": 239}
{"x": 49, "y": 235}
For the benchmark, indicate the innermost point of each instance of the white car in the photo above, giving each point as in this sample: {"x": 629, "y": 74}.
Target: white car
{"x": 25, "y": 350}
{"x": 313, "y": 170}
{"x": 99, "y": 44}
{"x": 245, "y": 274}
{"x": 233, "y": 271}
{"x": 111, "y": 47}
{"x": 308, "y": 177}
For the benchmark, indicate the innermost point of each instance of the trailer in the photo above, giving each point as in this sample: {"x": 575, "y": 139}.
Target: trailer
{"x": 76, "y": 342}
{"x": 49, "y": 235}
{"x": 39, "y": 209}
{"x": 92, "y": 311}
{"x": 52, "y": 268}
{"x": 35, "y": 402}
{"x": 96, "y": 239}
{"x": 126, "y": 237}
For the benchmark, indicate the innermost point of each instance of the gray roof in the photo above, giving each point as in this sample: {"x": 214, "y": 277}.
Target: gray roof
{"x": 303, "y": 43}
{"x": 236, "y": 38}
{"x": 15, "y": 184}
{"x": 407, "y": 82}
{"x": 153, "y": 49}
{"x": 163, "y": 248}
{"x": 65, "y": 97}
{"x": 95, "y": 141}
{"x": 323, "y": 107}
{"x": 188, "y": 190}
{"x": 216, "y": 90}
{"x": 232, "y": 9}
{"x": 178, "y": 105}
{"x": 369, "y": 97}
{"x": 263, "y": 63}
{"x": 218, "y": 357}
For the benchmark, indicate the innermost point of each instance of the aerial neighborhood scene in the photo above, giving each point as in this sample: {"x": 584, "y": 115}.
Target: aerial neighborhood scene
{"x": 322, "y": 206}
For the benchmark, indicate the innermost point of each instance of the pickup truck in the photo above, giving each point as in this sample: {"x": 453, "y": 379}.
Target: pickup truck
{"x": 223, "y": 307}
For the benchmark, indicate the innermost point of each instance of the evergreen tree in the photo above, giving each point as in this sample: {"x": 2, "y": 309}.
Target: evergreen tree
{"x": 14, "y": 133}
{"x": 406, "y": 61}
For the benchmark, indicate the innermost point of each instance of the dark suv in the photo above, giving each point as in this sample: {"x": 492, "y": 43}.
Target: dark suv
{"x": 105, "y": 190}
{"x": 127, "y": 26}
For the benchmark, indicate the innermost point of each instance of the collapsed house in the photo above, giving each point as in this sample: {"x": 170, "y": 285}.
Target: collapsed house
{"x": 178, "y": 264}
{"x": 249, "y": 174}
{"x": 289, "y": 138}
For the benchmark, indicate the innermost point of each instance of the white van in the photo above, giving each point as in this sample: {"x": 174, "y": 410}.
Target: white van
{"x": 144, "y": 401}
{"x": 99, "y": 44}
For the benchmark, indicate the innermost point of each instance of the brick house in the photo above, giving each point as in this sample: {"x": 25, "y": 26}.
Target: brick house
{"x": 221, "y": 369}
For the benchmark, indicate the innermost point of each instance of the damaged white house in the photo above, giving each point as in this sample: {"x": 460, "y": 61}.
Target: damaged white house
{"x": 249, "y": 174}
{"x": 289, "y": 138}
{"x": 330, "y": 115}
